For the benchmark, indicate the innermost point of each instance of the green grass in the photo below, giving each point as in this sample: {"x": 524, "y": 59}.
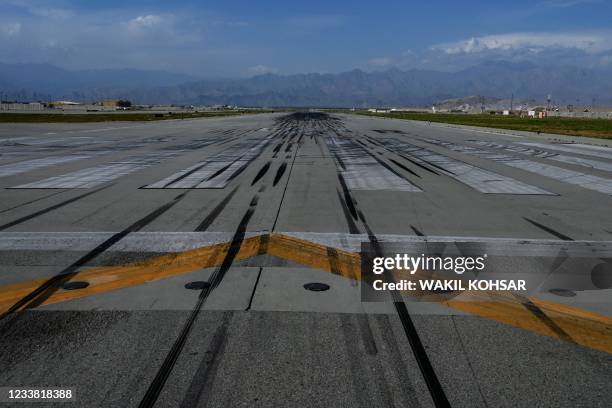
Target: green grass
{"x": 111, "y": 117}
{"x": 601, "y": 128}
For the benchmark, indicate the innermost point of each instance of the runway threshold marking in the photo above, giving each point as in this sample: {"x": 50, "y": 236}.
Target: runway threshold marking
{"x": 364, "y": 171}
{"x": 484, "y": 181}
{"x": 583, "y": 327}
{"x": 35, "y": 164}
{"x": 584, "y": 180}
{"x": 103, "y": 173}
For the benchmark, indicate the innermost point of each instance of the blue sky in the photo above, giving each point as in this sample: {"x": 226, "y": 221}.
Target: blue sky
{"x": 244, "y": 38}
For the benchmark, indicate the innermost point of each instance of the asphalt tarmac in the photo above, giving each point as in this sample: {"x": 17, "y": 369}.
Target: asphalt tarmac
{"x": 139, "y": 210}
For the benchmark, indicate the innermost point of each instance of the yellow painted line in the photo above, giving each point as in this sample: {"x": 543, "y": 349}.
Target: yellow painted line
{"x": 585, "y": 328}
{"x": 107, "y": 278}
{"x": 571, "y": 319}
{"x": 343, "y": 263}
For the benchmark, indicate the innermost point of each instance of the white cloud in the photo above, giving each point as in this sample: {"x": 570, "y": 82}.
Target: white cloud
{"x": 567, "y": 3}
{"x": 534, "y": 42}
{"x": 166, "y": 30}
{"x": 262, "y": 69}
{"x": 10, "y": 29}
{"x": 589, "y": 49}
{"x": 144, "y": 22}
{"x": 38, "y": 9}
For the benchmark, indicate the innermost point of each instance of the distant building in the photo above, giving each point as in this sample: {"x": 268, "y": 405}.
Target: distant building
{"x": 59, "y": 104}
{"x": 109, "y": 103}
{"x": 22, "y": 106}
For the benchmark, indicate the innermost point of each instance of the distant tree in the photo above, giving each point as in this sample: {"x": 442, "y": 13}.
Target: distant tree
{"x": 124, "y": 103}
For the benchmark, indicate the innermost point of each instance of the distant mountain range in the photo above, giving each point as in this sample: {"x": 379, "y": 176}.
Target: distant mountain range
{"x": 48, "y": 82}
{"x": 499, "y": 79}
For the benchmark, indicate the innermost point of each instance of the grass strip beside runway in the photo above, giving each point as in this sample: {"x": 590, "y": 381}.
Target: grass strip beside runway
{"x": 600, "y": 128}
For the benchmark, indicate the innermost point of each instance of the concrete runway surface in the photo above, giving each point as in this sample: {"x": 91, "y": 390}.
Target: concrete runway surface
{"x": 260, "y": 205}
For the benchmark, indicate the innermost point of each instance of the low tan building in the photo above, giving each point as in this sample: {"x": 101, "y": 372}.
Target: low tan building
{"x": 109, "y": 103}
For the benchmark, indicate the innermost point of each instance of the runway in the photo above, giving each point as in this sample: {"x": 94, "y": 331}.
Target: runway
{"x": 258, "y": 206}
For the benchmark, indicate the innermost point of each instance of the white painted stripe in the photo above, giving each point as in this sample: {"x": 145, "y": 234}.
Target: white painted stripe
{"x": 133, "y": 242}
{"x": 542, "y": 154}
{"x": 15, "y": 139}
{"x": 29, "y": 165}
{"x": 596, "y": 151}
{"x": 182, "y": 241}
{"x": 223, "y": 179}
{"x": 465, "y": 128}
{"x": 68, "y": 141}
{"x": 168, "y": 180}
{"x": 518, "y": 246}
{"x": 52, "y": 241}
{"x": 583, "y": 180}
{"x": 232, "y": 157}
{"x": 86, "y": 178}
{"x": 567, "y": 176}
{"x": 485, "y": 181}
{"x": 362, "y": 171}
{"x": 100, "y": 174}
